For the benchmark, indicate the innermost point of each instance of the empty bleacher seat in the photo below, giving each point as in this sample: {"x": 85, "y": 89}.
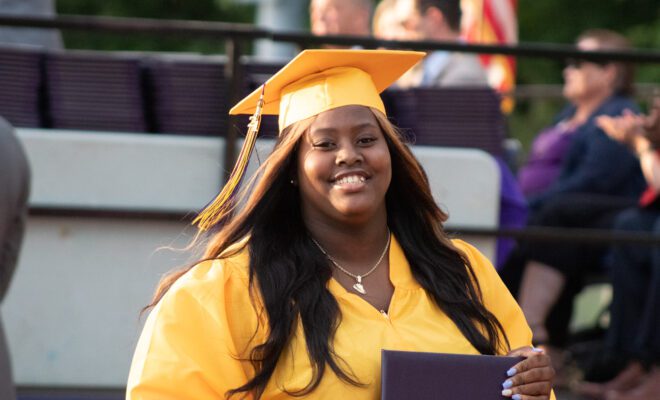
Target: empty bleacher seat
{"x": 95, "y": 91}
{"x": 20, "y": 85}
{"x": 187, "y": 94}
{"x": 450, "y": 117}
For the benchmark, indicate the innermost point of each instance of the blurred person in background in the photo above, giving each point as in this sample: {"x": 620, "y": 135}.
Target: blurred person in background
{"x": 14, "y": 190}
{"x": 46, "y": 38}
{"x": 386, "y": 22}
{"x": 577, "y": 177}
{"x": 341, "y": 17}
{"x": 629, "y": 367}
{"x": 438, "y": 20}
{"x": 589, "y": 96}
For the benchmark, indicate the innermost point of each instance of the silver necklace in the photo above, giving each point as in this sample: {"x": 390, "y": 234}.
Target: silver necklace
{"x": 358, "y": 278}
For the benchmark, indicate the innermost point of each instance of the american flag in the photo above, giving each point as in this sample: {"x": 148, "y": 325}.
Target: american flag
{"x": 494, "y": 22}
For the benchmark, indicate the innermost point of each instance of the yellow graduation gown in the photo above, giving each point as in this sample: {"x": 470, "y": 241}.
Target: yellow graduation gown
{"x": 194, "y": 338}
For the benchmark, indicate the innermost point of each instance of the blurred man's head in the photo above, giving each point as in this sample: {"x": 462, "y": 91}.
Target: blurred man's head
{"x": 431, "y": 19}
{"x": 341, "y": 17}
{"x": 586, "y": 79}
{"x": 387, "y": 23}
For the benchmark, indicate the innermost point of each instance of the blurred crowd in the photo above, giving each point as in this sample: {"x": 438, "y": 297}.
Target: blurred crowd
{"x": 593, "y": 166}
{"x": 406, "y": 20}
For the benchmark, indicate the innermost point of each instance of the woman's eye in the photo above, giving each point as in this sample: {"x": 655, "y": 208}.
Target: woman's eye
{"x": 322, "y": 145}
{"x": 366, "y": 140}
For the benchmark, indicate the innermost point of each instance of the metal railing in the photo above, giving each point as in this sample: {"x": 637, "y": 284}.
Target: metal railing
{"x": 242, "y": 32}
{"x": 537, "y": 234}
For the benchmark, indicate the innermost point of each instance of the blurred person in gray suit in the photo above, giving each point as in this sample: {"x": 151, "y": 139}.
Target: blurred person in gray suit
{"x": 47, "y": 38}
{"x": 438, "y": 20}
{"x": 14, "y": 190}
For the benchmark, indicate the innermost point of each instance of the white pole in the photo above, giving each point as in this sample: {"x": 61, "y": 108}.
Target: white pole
{"x": 288, "y": 15}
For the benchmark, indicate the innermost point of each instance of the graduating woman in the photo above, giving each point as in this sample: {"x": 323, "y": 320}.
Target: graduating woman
{"x": 335, "y": 251}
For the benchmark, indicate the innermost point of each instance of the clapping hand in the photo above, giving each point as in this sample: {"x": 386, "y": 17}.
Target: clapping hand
{"x": 652, "y": 124}
{"x": 635, "y": 130}
{"x": 627, "y": 128}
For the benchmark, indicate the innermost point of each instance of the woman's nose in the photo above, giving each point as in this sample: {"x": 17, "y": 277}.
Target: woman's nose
{"x": 348, "y": 154}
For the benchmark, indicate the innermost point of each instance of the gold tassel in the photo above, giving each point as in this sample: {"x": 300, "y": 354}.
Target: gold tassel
{"x": 221, "y": 207}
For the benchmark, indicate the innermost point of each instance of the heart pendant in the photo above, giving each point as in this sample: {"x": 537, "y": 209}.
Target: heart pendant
{"x": 359, "y": 288}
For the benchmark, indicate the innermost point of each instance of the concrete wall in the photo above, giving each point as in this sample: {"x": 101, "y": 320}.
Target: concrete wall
{"x": 72, "y": 312}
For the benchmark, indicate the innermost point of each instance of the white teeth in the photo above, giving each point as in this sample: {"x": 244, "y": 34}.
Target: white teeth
{"x": 351, "y": 179}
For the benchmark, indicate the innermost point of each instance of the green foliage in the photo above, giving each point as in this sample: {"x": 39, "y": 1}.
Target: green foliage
{"x": 207, "y": 10}
{"x": 561, "y": 21}
{"x": 647, "y": 36}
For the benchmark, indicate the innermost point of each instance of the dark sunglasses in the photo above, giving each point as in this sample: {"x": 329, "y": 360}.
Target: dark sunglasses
{"x": 578, "y": 62}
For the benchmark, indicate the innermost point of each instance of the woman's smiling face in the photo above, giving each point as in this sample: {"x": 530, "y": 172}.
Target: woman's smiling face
{"x": 344, "y": 166}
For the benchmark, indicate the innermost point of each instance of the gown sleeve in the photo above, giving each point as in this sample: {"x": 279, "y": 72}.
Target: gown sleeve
{"x": 187, "y": 349}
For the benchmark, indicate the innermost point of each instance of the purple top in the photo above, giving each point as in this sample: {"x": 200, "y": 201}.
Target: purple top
{"x": 545, "y": 159}
{"x": 513, "y": 211}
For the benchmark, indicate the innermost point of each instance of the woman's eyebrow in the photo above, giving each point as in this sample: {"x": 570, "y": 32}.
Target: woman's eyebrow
{"x": 321, "y": 131}
{"x": 364, "y": 125}
{"x": 331, "y": 129}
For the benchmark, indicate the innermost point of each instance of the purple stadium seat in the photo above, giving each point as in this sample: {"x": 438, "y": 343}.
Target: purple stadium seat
{"x": 188, "y": 94}
{"x": 20, "y": 85}
{"x": 453, "y": 117}
{"x": 95, "y": 91}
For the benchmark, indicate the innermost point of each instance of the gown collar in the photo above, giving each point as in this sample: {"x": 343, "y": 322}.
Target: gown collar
{"x": 400, "y": 274}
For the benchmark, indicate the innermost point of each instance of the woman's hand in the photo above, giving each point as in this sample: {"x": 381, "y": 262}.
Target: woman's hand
{"x": 530, "y": 379}
{"x": 629, "y": 129}
{"x": 626, "y": 128}
{"x": 652, "y": 124}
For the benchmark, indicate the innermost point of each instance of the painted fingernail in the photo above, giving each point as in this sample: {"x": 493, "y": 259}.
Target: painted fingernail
{"x": 511, "y": 372}
{"x": 506, "y": 392}
{"x": 507, "y": 384}
{"x": 516, "y": 397}
{"x": 536, "y": 349}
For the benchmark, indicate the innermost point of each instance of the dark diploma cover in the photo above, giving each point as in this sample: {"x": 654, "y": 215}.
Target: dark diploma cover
{"x": 439, "y": 376}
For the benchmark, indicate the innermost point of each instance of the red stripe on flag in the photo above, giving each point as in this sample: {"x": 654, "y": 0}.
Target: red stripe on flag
{"x": 490, "y": 19}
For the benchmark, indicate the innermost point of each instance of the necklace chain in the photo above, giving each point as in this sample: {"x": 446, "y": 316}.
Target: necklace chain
{"x": 355, "y": 276}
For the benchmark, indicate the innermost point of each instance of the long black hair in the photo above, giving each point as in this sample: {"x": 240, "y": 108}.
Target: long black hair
{"x": 290, "y": 274}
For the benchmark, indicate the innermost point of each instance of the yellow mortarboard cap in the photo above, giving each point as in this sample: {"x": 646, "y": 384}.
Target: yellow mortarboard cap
{"x": 313, "y": 82}
{"x": 320, "y": 80}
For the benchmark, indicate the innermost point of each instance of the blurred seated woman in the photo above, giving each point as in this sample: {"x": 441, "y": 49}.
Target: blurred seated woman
{"x": 589, "y": 96}
{"x": 338, "y": 251}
